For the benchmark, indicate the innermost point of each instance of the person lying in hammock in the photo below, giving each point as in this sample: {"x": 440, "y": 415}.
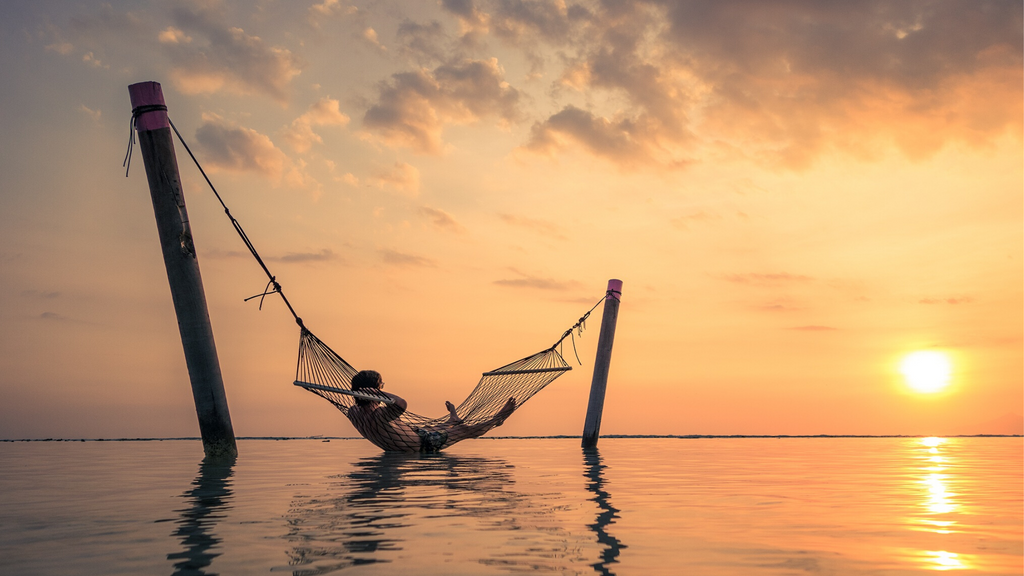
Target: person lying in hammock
{"x": 382, "y": 423}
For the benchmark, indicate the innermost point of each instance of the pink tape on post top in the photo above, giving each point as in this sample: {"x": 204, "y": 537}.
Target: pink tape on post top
{"x": 614, "y": 289}
{"x": 149, "y": 94}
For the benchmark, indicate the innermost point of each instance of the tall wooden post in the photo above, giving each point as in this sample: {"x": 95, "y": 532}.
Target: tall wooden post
{"x": 592, "y": 425}
{"x": 157, "y": 150}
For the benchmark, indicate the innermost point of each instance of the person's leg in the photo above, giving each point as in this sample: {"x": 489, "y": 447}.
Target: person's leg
{"x": 453, "y": 417}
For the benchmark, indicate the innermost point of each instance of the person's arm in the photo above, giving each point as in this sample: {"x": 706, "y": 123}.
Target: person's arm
{"x": 392, "y": 411}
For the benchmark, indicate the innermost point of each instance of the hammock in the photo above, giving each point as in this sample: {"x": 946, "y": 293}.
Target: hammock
{"x": 323, "y": 372}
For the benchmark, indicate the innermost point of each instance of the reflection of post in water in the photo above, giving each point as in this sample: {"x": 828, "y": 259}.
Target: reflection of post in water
{"x": 208, "y": 501}
{"x": 607, "y": 516}
{"x": 386, "y": 497}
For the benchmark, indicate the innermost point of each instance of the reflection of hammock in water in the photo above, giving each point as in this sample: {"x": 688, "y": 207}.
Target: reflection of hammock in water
{"x": 323, "y": 372}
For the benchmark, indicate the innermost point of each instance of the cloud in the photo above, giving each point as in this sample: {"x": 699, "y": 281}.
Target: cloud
{"x": 413, "y": 107}
{"x": 473, "y": 22}
{"x": 324, "y": 255}
{"x": 62, "y": 48}
{"x": 401, "y": 177}
{"x": 90, "y": 59}
{"x": 517, "y": 19}
{"x": 778, "y": 306}
{"x": 829, "y": 77}
{"x": 94, "y": 114}
{"x": 206, "y": 53}
{"x": 324, "y": 112}
{"x": 622, "y": 140}
{"x": 348, "y": 178}
{"x": 329, "y": 8}
{"x": 781, "y": 84}
{"x": 223, "y": 57}
{"x": 612, "y": 51}
{"x": 172, "y": 35}
{"x": 228, "y": 146}
{"x": 424, "y": 43}
{"x": 354, "y": 19}
{"x": 231, "y": 147}
{"x": 767, "y": 279}
{"x": 954, "y": 300}
{"x": 542, "y": 227}
{"x": 536, "y": 282}
{"x": 370, "y": 37}
{"x": 396, "y": 258}
{"x": 53, "y": 316}
{"x": 441, "y": 219}
{"x": 97, "y": 32}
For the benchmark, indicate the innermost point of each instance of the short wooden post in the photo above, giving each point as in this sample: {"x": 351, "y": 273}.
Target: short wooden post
{"x": 592, "y": 425}
{"x": 157, "y": 150}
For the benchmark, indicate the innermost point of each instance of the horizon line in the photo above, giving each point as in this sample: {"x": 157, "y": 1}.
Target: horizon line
{"x": 551, "y": 437}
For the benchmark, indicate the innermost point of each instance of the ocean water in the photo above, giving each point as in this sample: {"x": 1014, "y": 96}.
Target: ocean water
{"x": 712, "y": 506}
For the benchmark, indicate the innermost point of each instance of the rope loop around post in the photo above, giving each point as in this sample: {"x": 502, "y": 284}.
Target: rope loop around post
{"x": 581, "y": 324}
{"x": 136, "y": 112}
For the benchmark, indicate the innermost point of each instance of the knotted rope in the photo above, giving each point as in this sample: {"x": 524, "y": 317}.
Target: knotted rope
{"x": 139, "y": 110}
{"x": 581, "y": 324}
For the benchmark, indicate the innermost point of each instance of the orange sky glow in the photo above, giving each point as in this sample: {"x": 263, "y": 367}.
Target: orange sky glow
{"x": 796, "y": 195}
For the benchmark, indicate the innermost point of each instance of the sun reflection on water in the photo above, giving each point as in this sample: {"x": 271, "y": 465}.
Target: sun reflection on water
{"x": 942, "y": 560}
{"x": 938, "y": 500}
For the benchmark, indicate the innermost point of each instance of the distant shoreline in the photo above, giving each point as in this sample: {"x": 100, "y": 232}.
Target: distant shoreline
{"x": 557, "y": 437}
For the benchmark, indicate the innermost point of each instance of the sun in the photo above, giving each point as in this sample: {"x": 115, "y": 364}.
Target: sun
{"x": 926, "y": 371}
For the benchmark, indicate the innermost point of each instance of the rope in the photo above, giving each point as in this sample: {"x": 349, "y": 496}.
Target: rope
{"x": 139, "y": 110}
{"x": 136, "y": 112}
{"x": 581, "y": 324}
{"x": 241, "y": 233}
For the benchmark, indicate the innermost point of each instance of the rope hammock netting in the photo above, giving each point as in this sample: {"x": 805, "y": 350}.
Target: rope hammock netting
{"x": 375, "y": 414}
{"x": 496, "y": 395}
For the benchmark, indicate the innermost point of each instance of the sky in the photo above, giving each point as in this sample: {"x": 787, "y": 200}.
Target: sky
{"x": 795, "y": 194}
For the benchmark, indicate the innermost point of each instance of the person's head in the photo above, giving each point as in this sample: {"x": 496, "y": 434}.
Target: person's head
{"x": 366, "y": 379}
